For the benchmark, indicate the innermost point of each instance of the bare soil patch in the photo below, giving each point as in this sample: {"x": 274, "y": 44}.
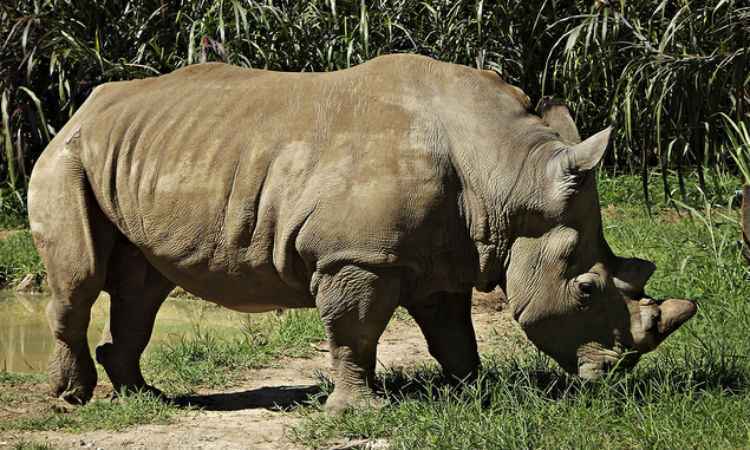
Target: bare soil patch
{"x": 256, "y": 411}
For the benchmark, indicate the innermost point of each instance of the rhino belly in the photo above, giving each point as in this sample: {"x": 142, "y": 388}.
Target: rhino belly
{"x": 228, "y": 238}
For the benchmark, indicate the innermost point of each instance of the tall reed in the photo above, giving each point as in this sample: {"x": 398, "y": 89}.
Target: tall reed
{"x": 660, "y": 71}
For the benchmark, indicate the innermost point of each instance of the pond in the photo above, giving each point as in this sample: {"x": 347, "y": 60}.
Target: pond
{"x": 26, "y": 342}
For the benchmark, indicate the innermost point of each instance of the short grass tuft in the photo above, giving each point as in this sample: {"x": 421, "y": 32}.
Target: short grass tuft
{"x": 210, "y": 359}
{"x": 127, "y": 410}
{"x": 29, "y": 445}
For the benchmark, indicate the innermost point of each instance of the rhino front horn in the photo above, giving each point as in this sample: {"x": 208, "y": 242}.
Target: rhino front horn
{"x": 673, "y": 314}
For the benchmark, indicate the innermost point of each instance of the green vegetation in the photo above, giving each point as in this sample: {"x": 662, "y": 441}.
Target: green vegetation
{"x": 739, "y": 138}
{"x": 18, "y": 257}
{"x": 693, "y": 392}
{"x": 10, "y": 378}
{"x": 26, "y": 407}
{"x": 667, "y": 70}
{"x": 206, "y": 358}
{"x": 660, "y": 71}
{"x": 128, "y": 410}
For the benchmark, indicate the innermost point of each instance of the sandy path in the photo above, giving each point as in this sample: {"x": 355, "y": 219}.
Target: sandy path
{"x": 245, "y": 417}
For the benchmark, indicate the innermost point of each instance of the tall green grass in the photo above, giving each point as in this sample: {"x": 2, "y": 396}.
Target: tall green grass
{"x": 660, "y": 70}
{"x": 739, "y": 140}
{"x": 668, "y": 68}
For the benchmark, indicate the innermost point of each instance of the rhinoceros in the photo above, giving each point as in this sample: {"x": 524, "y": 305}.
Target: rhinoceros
{"x": 403, "y": 181}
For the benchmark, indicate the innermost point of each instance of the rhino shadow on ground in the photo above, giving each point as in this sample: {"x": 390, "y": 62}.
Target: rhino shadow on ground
{"x": 278, "y": 398}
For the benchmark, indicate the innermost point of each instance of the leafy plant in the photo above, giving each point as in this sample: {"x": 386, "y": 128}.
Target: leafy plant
{"x": 739, "y": 139}
{"x": 665, "y": 70}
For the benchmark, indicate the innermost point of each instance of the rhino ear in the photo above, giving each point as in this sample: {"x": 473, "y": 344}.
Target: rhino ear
{"x": 569, "y": 165}
{"x": 632, "y": 274}
{"x": 557, "y": 116}
{"x": 586, "y": 155}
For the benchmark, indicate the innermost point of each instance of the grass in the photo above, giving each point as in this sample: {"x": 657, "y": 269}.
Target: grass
{"x": 126, "y": 411}
{"x": 526, "y": 403}
{"x": 206, "y": 358}
{"x": 10, "y": 378}
{"x": 18, "y": 257}
{"x": 27, "y": 407}
{"x": 28, "y": 445}
{"x": 693, "y": 392}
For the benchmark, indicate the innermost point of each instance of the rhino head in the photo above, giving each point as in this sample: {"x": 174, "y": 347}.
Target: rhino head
{"x": 575, "y": 299}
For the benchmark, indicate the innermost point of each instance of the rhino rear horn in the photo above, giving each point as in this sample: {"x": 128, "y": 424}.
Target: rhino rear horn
{"x": 557, "y": 116}
{"x": 632, "y": 274}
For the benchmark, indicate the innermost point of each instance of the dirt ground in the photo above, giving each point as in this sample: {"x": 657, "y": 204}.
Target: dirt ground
{"x": 248, "y": 416}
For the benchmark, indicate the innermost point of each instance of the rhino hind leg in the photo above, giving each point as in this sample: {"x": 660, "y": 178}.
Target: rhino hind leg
{"x": 355, "y": 305}
{"x": 74, "y": 240}
{"x": 445, "y": 321}
{"x": 137, "y": 291}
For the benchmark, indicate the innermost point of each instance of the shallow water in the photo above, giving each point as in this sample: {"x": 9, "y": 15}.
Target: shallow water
{"x": 26, "y": 342}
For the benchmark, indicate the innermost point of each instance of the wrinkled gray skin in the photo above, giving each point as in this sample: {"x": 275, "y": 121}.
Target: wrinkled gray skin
{"x": 403, "y": 181}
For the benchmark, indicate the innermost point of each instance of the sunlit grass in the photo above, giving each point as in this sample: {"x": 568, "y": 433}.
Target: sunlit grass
{"x": 205, "y": 358}
{"x": 126, "y": 411}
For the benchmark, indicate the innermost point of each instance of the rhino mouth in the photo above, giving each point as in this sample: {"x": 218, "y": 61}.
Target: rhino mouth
{"x": 596, "y": 361}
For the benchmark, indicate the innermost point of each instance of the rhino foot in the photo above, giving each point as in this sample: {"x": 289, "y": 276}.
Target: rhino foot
{"x": 346, "y": 399}
{"x": 72, "y": 375}
{"x": 355, "y": 305}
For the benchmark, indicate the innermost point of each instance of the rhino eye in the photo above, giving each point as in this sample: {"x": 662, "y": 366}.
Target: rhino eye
{"x": 585, "y": 287}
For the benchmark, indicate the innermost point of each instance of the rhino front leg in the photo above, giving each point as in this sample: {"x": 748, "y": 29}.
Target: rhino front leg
{"x": 445, "y": 321}
{"x": 355, "y": 305}
{"x": 137, "y": 291}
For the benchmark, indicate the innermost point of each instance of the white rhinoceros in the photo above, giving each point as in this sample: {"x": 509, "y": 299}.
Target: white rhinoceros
{"x": 402, "y": 181}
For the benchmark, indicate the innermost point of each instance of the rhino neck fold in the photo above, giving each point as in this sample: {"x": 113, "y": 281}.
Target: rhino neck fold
{"x": 495, "y": 194}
